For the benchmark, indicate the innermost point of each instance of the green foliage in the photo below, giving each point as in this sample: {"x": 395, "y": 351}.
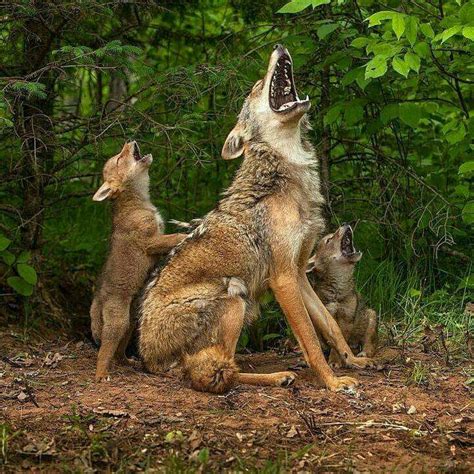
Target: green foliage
{"x": 392, "y": 101}
{"x": 19, "y": 274}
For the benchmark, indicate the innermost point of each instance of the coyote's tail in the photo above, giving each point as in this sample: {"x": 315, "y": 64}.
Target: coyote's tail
{"x": 211, "y": 370}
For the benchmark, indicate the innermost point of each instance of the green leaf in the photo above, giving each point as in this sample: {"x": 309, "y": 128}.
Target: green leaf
{"x": 376, "y": 67}
{"x": 450, "y": 32}
{"x": 376, "y": 18}
{"x": 326, "y": 30}
{"x": 24, "y": 257}
{"x": 468, "y": 213}
{"x": 468, "y": 32}
{"x": 466, "y": 168}
{"x": 400, "y": 66}
{"x": 4, "y": 242}
{"x": 414, "y": 293}
{"x": 27, "y": 272}
{"x": 422, "y": 49}
{"x": 203, "y": 456}
{"x": 20, "y": 286}
{"x": 410, "y": 114}
{"x": 411, "y": 25}
{"x": 8, "y": 257}
{"x": 456, "y": 135}
{"x": 360, "y": 42}
{"x": 398, "y": 24}
{"x": 353, "y": 113}
{"x": 413, "y": 61}
{"x": 389, "y": 112}
{"x": 295, "y": 6}
{"x": 462, "y": 190}
{"x": 332, "y": 114}
{"x": 427, "y": 30}
{"x": 466, "y": 13}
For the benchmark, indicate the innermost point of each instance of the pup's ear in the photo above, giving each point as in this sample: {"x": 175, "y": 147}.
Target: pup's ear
{"x": 234, "y": 144}
{"x": 311, "y": 265}
{"x": 104, "y": 192}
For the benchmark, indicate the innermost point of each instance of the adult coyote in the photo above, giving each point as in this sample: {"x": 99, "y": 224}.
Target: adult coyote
{"x": 260, "y": 235}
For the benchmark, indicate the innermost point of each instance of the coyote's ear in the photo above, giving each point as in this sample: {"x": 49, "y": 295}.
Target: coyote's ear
{"x": 104, "y": 192}
{"x": 234, "y": 144}
{"x": 311, "y": 265}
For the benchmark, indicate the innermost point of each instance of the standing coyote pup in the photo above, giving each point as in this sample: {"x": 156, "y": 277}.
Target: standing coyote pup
{"x": 260, "y": 235}
{"x": 136, "y": 238}
{"x": 331, "y": 271}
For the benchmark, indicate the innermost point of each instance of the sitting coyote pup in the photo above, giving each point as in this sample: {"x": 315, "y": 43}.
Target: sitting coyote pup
{"x": 260, "y": 235}
{"x": 136, "y": 238}
{"x": 331, "y": 271}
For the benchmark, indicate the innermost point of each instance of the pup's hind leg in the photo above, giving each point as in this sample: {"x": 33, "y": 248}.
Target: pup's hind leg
{"x": 369, "y": 345}
{"x": 116, "y": 317}
{"x": 230, "y": 328}
{"x": 120, "y": 356}
{"x": 96, "y": 319}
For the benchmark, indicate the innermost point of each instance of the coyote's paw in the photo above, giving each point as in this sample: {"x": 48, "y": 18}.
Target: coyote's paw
{"x": 334, "y": 360}
{"x": 102, "y": 378}
{"x": 361, "y": 362}
{"x": 340, "y": 383}
{"x": 286, "y": 379}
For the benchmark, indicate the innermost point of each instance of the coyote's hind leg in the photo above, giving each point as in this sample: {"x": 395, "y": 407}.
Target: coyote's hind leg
{"x": 230, "y": 328}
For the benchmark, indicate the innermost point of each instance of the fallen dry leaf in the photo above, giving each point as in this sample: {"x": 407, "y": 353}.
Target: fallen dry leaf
{"x": 292, "y": 432}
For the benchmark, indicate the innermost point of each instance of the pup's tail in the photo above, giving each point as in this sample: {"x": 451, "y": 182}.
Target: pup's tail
{"x": 211, "y": 370}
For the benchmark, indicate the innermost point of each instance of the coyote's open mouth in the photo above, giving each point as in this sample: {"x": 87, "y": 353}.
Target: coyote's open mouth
{"x": 347, "y": 243}
{"x": 283, "y": 96}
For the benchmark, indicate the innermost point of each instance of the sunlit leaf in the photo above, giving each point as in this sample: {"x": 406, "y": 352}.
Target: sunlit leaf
{"x": 398, "y": 24}
{"x": 400, "y": 66}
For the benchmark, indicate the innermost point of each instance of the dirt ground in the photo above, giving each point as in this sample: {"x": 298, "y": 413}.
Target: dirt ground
{"x": 414, "y": 415}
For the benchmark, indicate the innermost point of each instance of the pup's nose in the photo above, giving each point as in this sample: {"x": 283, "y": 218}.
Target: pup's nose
{"x": 278, "y": 46}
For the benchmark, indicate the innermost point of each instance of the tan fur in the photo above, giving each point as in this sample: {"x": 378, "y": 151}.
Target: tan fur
{"x": 136, "y": 239}
{"x": 211, "y": 370}
{"x": 332, "y": 277}
{"x": 261, "y": 234}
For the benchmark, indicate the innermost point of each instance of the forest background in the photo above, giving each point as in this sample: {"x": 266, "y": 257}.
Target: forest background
{"x": 391, "y": 85}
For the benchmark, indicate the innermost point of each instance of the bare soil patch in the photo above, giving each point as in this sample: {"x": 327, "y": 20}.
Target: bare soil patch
{"x": 415, "y": 415}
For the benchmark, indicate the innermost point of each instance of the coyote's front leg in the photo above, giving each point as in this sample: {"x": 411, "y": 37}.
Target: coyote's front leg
{"x": 287, "y": 292}
{"x": 327, "y": 326}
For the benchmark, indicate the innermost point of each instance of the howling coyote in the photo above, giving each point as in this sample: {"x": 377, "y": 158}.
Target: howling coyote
{"x": 331, "y": 272}
{"x": 137, "y": 237}
{"x": 260, "y": 235}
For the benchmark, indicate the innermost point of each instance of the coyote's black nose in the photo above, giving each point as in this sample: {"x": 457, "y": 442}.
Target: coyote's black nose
{"x": 278, "y": 46}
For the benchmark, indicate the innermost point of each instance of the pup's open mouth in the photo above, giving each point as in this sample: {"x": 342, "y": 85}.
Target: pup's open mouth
{"x": 347, "y": 243}
{"x": 283, "y": 96}
{"x": 136, "y": 152}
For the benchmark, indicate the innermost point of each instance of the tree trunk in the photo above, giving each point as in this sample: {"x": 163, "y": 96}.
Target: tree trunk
{"x": 34, "y": 126}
